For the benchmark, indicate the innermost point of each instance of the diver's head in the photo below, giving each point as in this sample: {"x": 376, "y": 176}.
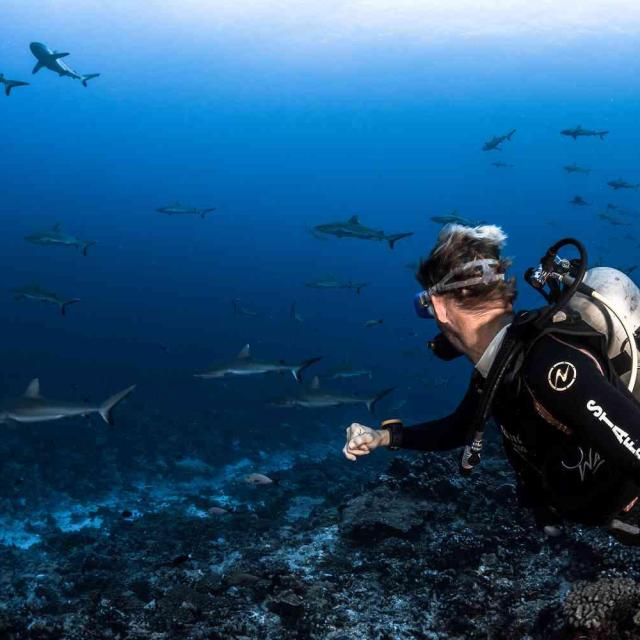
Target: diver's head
{"x": 465, "y": 286}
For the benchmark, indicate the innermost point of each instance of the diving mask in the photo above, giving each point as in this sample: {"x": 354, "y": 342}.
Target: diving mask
{"x": 422, "y": 300}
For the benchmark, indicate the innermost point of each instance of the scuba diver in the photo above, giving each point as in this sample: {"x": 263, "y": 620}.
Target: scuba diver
{"x": 558, "y": 381}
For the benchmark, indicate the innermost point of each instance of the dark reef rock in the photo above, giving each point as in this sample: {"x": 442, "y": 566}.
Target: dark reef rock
{"x": 382, "y": 512}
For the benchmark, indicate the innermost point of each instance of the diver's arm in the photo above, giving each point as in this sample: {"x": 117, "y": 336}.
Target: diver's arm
{"x": 442, "y": 434}
{"x": 571, "y": 386}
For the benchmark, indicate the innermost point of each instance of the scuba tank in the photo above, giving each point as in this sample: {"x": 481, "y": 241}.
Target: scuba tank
{"x": 623, "y": 296}
{"x": 606, "y": 299}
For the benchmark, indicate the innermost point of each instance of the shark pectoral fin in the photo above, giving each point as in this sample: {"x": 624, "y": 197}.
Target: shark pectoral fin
{"x": 33, "y": 390}
{"x": 315, "y": 383}
{"x": 57, "y": 56}
{"x": 108, "y": 405}
{"x": 354, "y": 220}
{"x": 86, "y": 245}
{"x": 38, "y": 66}
{"x": 245, "y": 352}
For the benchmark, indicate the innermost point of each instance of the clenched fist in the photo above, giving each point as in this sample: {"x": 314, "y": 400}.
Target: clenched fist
{"x": 362, "y": 440}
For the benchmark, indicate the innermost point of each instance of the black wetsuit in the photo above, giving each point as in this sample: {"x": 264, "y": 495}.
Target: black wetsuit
{"x": 571, "y": 432}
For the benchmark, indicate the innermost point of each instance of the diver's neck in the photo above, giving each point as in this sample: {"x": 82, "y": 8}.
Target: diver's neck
{"x": 486, "y": 330}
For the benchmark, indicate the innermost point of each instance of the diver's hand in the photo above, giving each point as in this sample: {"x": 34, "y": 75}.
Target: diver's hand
{"x": 363, "y": 440}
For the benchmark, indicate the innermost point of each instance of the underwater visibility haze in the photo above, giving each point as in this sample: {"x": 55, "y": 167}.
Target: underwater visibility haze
{"x": 212, "y": 217}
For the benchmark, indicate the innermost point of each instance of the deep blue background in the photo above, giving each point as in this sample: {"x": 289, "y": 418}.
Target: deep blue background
{"x": 278, "y": 143}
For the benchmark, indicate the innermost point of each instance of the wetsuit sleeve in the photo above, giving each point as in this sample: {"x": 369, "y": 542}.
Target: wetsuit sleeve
{"x": 445, "y": 433}
{"x": 571, "y": 386}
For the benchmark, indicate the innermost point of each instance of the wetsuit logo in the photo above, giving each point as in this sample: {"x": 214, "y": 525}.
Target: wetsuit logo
{"x": 622, "y": 436}
{"x": 592, "y": 462}
{"x": 561, "y": 376}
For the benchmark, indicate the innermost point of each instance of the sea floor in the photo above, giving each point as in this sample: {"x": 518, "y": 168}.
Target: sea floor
{"x": 397, "y": 547}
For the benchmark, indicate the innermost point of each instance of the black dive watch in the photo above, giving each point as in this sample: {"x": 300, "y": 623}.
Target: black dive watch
{"x": 394, "y": 427}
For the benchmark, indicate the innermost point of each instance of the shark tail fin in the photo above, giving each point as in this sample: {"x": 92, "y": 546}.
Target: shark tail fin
{"x": 371, "y": 404}
{"x": 66, "y": 303}
{"x": 296, "y": 371}
{"x": 108, "y": 405}
{"x": 203, "y": 212}
{"x": 89, "y": 76}
{"x": 398, "y": 236}
{"x": 86, "y": 245}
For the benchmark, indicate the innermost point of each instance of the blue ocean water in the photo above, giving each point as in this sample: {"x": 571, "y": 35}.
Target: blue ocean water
{"x": 280, "y": 132}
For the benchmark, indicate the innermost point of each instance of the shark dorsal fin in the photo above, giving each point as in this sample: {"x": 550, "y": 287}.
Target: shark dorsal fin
{"x": 245, "y": 352}
{"x": 33, "y": 390}
{"x": 315, "y": 383}
{"x": 57, "y": 226}
{"x": 354, "y": 220}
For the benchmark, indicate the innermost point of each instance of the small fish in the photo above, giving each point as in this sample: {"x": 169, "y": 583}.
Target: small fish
{"x": 622, "y": 184}
{"x": 258, "y": 479}
{"x": 56, "y": 237}
{"x": 579, "y": 201}
{"x": 353, "y": 228}
{"x": 126, "y": 514}
{"x": 176, "y": 208}
{"x": 373, "y": 323}
{"x": 496, "y": 141}
{"x": 37, "y": 293}
{"x": 579, "y": 132}
{"x": 217, "y": 511}
{"x": 574, "y": 168}
{"x": 245, "y": 365}
{"x": 10, "y": 84}
{"x": 177, "y": 561}
{"x": 331, "y": 283}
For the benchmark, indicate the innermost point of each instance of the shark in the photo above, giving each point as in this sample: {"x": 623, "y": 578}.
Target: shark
{"x": 56, "y": 237}
{"x": 496, "y": 141}
{"x": 353, "y": 228}
{"x": 622, "y": 184}
{"x": 53, "y": 60}
{"x": 244, "y": 365}
{"x": 574, "y": 168}
{"x": 455, "y": 218}
{"x": 347, "y": 371}
{"x": 32, "y": 407}
{"x": 10, "y": 84}
{"x": 315, "y": 398}
{"x": 502, "y": 165}
{"x": 579, "y": 132}
{"x": 178, "y": 209}
{"x": 331, "y": 283}
{"x": 579, "y": 201}
{"x": 611, "y": 219}
{"x": 35, "y": 292}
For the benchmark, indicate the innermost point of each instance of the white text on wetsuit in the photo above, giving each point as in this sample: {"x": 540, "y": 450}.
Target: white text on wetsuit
{"x": 623, "y": 436}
